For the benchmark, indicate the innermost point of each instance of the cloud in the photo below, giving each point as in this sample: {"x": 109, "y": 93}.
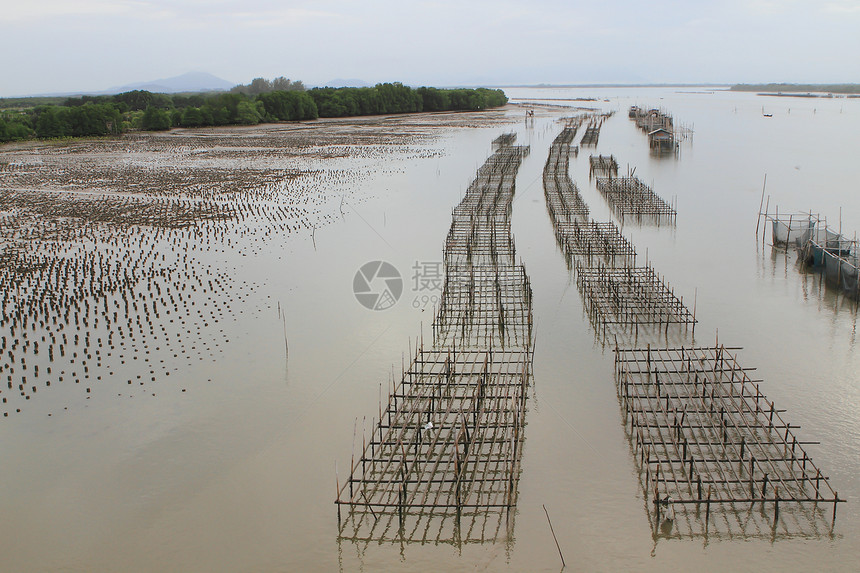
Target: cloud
{"x": 843, "y": 7}
{"x": 192, "y": 13}
{"x": 34, "y": 10}
{"x": 437, "y": 41}
{"x": 283, "y": 17}
{"x": 771, "y": 6}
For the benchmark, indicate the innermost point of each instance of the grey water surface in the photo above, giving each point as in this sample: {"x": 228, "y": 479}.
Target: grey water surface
{"x": 239, "y": 473}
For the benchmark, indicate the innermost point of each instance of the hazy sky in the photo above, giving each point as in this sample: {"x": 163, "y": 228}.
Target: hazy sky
{"x": 70, "y": 45}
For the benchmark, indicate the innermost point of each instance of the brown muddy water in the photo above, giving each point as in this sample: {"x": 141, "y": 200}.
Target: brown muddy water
{"x": 184, "y": 361}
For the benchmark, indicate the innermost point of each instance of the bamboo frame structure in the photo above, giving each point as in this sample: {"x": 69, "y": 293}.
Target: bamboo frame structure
{"x": 503, "y": 140}
{"x": 447, "y": 447}
{"x": 575, "y": 233}
{"x": 595, "y": 242}
{"x": 628, "y": 196}
{"x": 592, "y": 132}
{"x": 562, "y": 195}
{"x": 602, "y": 166}
{"x": 625, "y": 299}
{"x": 704, "y": 434}
{"x": 484, "y": 307}
{"x": 449, "y": 441}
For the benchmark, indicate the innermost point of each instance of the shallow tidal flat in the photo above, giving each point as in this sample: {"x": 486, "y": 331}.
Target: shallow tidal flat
{"x": 119, "y": 256}
{"x": 144, "y": 286}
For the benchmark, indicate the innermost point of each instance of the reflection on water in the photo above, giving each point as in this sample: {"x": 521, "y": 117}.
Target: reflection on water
{"x": 813, "y": 287}
{"x": 432, "y": 525}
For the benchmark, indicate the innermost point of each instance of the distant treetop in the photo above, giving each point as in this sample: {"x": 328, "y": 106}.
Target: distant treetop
{"x": 262, "y": 85}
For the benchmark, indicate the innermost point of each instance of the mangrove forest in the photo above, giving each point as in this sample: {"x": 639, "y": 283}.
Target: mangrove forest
{"x": 260, "y": 102}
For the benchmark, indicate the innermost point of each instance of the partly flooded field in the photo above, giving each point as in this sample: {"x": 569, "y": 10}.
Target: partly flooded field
{"x": 185, "y": 368}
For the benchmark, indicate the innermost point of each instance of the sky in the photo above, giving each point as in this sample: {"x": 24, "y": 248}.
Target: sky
{"x": 50, "y": 46}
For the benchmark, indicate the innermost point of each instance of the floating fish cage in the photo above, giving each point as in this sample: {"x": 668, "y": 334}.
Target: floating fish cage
{"x": 791, "y": 229}
{"x": 843, "y": 272}
{"x": 821, "y": 240}
{"x": 818, "y": 248}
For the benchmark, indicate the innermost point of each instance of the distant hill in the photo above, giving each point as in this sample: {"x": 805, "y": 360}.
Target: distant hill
{"x": 193, "y": 82}
{"x": 345, "y": 83}
{"x": 190, "y": 82}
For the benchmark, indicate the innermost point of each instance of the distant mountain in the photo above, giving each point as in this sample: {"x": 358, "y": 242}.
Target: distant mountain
{"x": 190, "y": 82}
{"x": 346, "y": 83}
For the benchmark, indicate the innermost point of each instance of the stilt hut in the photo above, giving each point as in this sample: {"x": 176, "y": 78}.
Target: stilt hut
{"x": 661, "y": 140}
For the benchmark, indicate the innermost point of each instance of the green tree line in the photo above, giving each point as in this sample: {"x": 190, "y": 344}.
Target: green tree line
{"x": 262, "y": 85}
{"x": 397, "y": 98}
{"x": 143, "y": 110}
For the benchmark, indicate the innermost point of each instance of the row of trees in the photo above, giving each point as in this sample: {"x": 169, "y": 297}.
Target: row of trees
{"x": 397, "y": 98}
{"x": 383, "y": 98}
{"x": 12, "y": 127}
{"x": 60, "y": 121}
{"x": 104, "y": 115}
{"x": 262, "y": 85}
{"x": 461, "y": 99}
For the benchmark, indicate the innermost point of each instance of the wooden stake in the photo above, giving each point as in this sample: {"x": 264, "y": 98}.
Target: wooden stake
{"x": 760, "y": 205}
{"x": 563, "y": 565}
